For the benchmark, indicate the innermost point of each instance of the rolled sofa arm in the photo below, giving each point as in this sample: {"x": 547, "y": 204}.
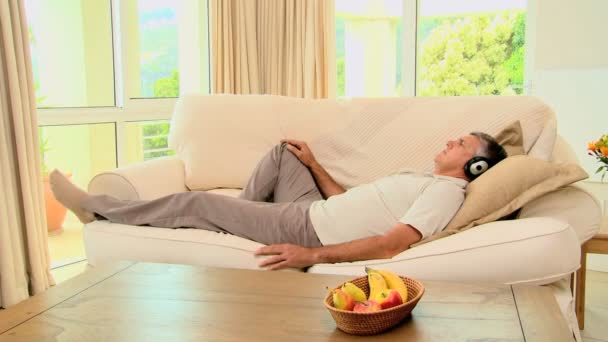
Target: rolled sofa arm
{"x": 571, "y": 204}
{"x": 142, "y": 181}
{"x": 532, "y": 251}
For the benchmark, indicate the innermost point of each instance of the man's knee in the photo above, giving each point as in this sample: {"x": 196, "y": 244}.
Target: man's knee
{"x": 278, "y": 152}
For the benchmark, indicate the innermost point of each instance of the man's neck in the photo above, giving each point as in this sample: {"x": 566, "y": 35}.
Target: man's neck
{"x": 451, "y": 173}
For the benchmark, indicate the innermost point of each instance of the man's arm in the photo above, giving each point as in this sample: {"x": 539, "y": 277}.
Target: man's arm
{"x": 328, "y": 186}
{"x": 386, "y": 246}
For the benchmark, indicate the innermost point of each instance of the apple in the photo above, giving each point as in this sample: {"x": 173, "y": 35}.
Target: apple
{"x": 343, "y": 300}
{"x": 388, "y": 298}
{"x": 367, "y": 306}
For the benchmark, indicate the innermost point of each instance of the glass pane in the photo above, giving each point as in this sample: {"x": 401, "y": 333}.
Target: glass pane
{"x": 146, "y": 140}
{"x": 166, "y": 36}
{"x": 158, "y": 51}
{"x": 473, "y": 47}
{"x": 81, "y": 152}
{"x": 71, "y": 45}
{"x": 369, "y": 47}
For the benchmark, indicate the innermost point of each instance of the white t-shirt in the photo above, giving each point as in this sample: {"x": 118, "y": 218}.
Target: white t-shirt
{"x": 426, "y": 202}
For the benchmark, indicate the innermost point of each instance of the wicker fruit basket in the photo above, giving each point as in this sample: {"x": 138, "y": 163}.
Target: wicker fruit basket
{"x": 370, "y": 323}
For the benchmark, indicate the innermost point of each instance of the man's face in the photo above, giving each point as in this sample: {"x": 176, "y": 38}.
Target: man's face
{"x": 457, "y": 152}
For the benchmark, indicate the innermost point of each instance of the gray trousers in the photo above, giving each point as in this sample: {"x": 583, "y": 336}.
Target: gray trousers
{"x": 272, "y": 208}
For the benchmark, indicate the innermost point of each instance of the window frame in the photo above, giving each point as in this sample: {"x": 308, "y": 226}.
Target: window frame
{"x": 410, "y": 16}
{"x": 127, "y": 109}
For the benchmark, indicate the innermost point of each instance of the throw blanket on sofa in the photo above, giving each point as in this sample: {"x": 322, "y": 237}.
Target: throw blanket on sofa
{"x": 220, "y": 138}
{"x": 386, "y": 135}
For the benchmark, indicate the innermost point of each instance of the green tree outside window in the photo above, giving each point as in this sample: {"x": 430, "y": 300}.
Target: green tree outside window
{"x": 478, "y": 54}
{"x": 167, "y": 86}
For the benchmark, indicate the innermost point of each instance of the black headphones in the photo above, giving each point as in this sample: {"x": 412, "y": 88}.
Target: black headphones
{"x": 476, "y": 166}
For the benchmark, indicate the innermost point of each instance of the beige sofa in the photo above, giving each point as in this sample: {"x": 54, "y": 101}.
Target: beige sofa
{"x": 218, "y": 140}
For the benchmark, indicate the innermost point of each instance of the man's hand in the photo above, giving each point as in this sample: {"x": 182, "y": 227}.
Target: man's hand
{"x": 286, "y": 255}
{"x": 301, "y": 150}
{"x": 385, "y": 246}
{"x": 328, "y": 186}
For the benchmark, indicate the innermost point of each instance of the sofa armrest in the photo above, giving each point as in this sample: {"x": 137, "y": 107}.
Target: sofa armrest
{"x": 525, "y": 251}
{"x": 570, "y": 204}
{"x": 142, "y": 181}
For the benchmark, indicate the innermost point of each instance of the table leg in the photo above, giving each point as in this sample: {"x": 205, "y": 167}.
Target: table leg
{"x": 581, "y": 275}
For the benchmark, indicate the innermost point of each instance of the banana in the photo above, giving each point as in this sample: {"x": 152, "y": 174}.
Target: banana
{"x": 394, "y": 282}
{"x": 376, "y": 283}
{"x": 353, "y": 290}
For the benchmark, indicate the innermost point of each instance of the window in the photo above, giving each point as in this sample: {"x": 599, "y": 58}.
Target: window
{"x": 157, "y": 51}
{"x": 166, "y": 37}
{"x": 368, "y": 47}
{"x": 147, "y": 140}
{"x": 94, "y": 153}
{"x": 471, "y": 47}
{"x": 430, "y": 47}
{"x": 117, "y": 61}
{"x": 71, "y": 47}
{"x": 107, "y": 73}
{"x": 80, "y": 152}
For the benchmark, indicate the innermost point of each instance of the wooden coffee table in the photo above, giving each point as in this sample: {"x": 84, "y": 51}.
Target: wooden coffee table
{"x": 139, "y": 301}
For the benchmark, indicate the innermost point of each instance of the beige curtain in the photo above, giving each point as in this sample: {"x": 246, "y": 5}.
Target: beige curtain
{"x": 281, "y": 47}
{"x": 24, "y": 256}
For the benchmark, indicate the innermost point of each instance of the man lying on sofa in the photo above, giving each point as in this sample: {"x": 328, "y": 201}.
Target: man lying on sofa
{"x": 292, "y": 205}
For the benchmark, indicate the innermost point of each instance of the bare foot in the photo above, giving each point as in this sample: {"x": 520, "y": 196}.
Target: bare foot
{"x": 70, "y": 196}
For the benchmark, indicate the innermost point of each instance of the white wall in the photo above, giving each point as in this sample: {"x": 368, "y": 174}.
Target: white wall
{"x": 568, "y": 68}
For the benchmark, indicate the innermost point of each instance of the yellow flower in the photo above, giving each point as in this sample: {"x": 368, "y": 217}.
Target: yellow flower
{"x": 604, "y": 150}
{"x": 591, "y": 146}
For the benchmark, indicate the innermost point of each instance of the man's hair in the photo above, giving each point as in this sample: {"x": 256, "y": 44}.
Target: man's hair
{"x": 490, "y": 148}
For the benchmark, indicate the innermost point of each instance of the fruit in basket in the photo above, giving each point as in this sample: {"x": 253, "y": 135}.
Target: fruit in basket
{"x": 343, "y": 300}
{"x": 368, "y": 317}
{"x": 376, "y": 283}
{"x": 393, "y": 282}
{"x": 389, "y": 298}
{"x": 367, "y": 306}
{"x": 353, "y": 290}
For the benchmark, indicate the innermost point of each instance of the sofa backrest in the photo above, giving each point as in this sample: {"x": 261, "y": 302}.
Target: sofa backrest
{"x": 220, "y": 138}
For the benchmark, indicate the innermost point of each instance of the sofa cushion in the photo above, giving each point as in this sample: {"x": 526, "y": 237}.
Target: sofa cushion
{"x": 107, "y": 242}
{"x": 512, "y": 139}
{"x": 220, "y": 138}
{"x": 472, "y": 256}
{"x": 507, "y": 187}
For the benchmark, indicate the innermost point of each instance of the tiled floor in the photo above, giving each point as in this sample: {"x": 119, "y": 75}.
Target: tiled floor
{"x": 596, "y": 309}
{"x": 66, "y": 247}
{"x": 66, "y": 272}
